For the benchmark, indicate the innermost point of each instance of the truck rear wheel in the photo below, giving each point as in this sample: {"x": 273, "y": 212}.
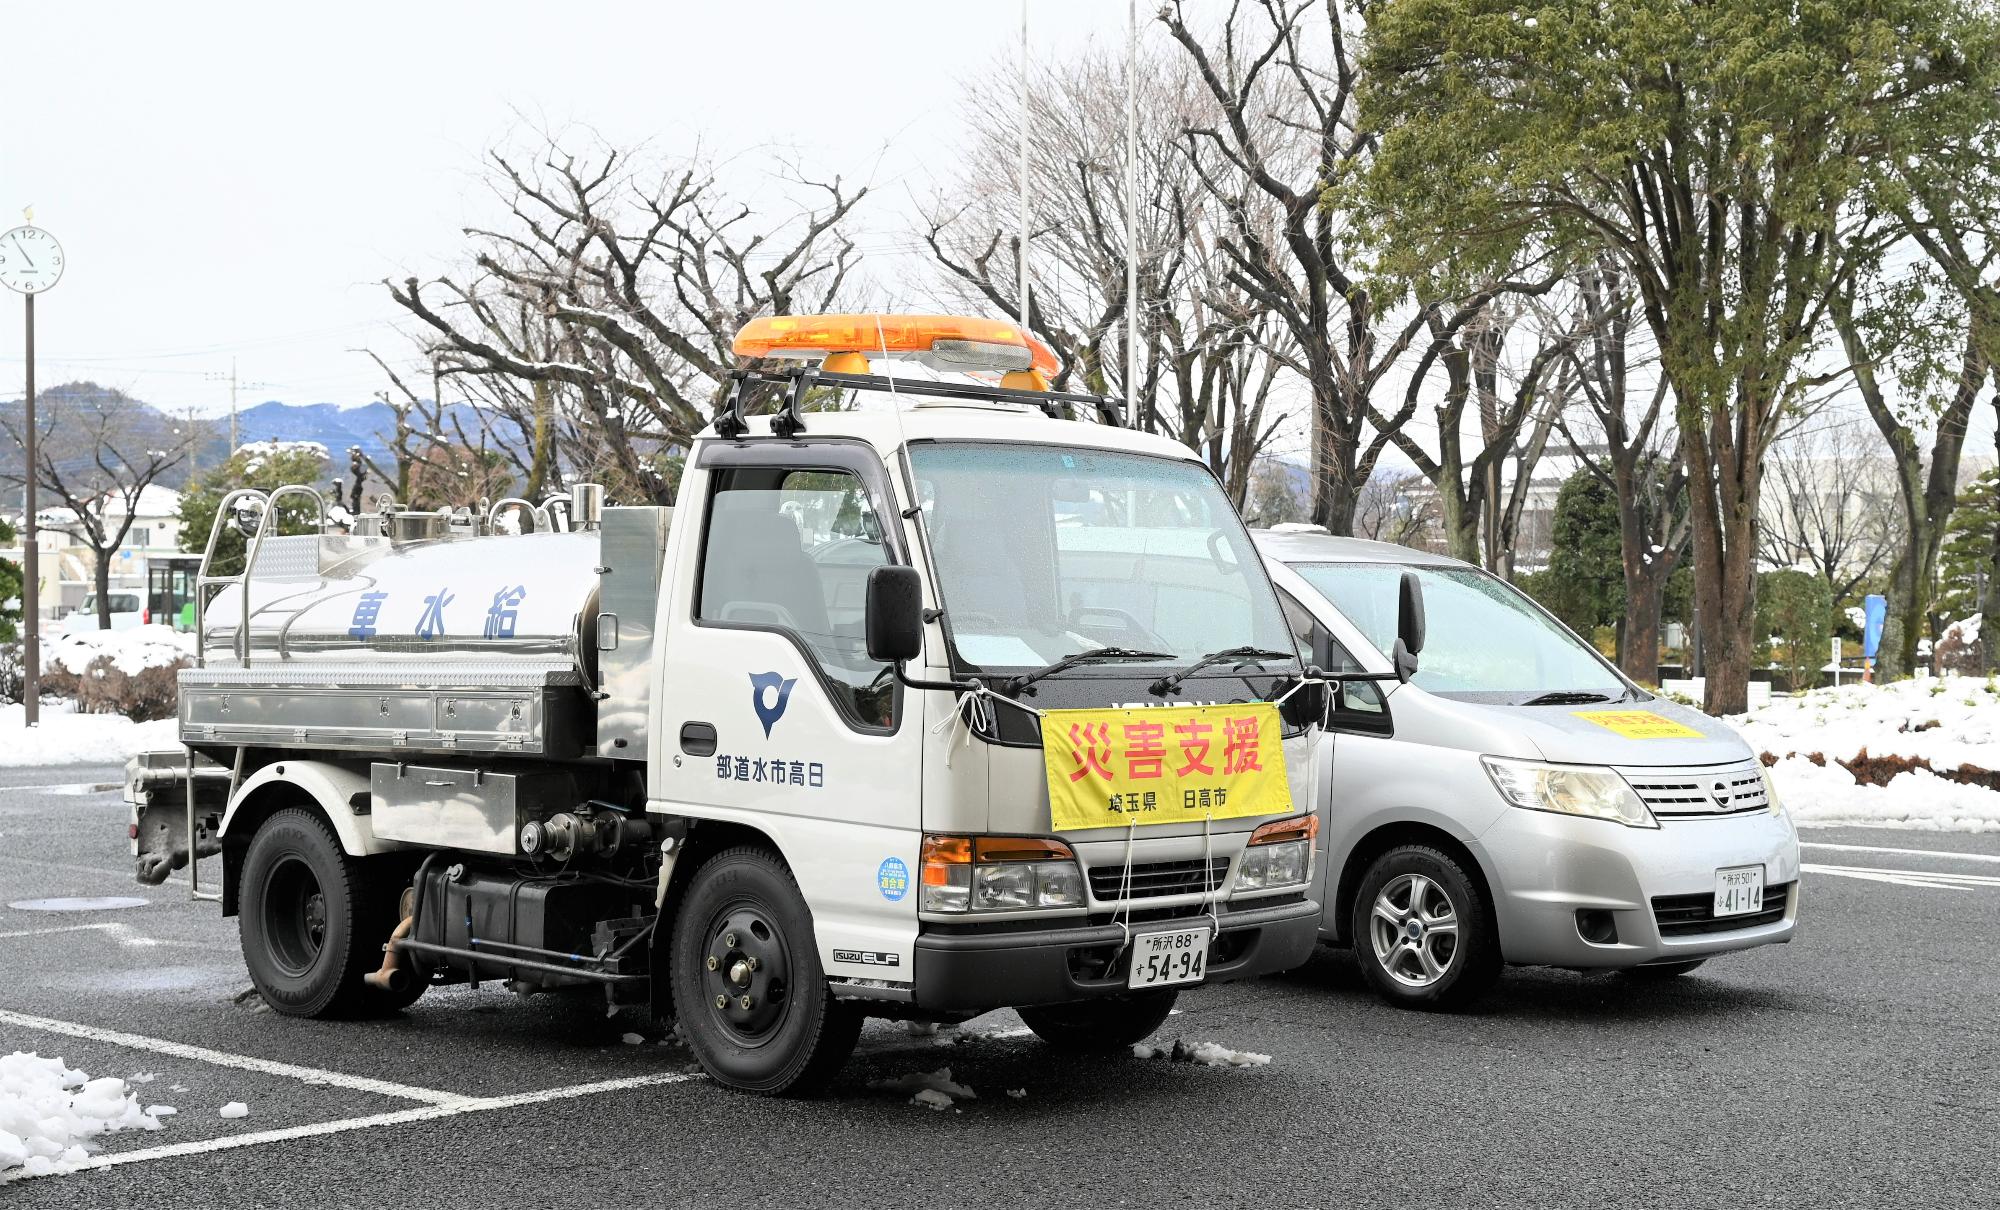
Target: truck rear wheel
{"x": 749, "y": 992}
{"x": 311, "y": 927}
{"x": 1109, "y": 1023}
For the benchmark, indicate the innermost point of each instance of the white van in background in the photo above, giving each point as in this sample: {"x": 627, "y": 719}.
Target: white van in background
{"x": 1504, "y": 795}
{"x": 127, "y": 611}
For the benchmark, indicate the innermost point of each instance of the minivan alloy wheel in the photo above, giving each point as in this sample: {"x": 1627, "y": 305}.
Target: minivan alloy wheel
{"x": 1414, "y": 928}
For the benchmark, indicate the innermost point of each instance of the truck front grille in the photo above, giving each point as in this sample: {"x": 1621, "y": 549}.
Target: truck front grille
{"x": 1151, "y": 880}
{"x": 1715, "y": 790}
{"x": 1693, "y": 915}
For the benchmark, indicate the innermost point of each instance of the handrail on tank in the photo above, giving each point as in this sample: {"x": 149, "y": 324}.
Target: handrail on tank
{"x": 201, "y": 577}
{"x": 568, "y": 511}
{"x": 539, "y": 516}
{"x": 264, "y": 524}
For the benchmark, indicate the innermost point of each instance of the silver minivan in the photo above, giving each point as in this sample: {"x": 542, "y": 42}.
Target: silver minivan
{"x": 1502, "y": 794}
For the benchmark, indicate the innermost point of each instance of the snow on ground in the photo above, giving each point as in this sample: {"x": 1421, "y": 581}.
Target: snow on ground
{"x": 932, "y": 1089}
{"x": 1210, "y": 1054}
{"x": 66, "y": 738}
{"x": 1949, "y": 721}
{"x": 49, "y": 1114}
{"x": 132, "y": 650}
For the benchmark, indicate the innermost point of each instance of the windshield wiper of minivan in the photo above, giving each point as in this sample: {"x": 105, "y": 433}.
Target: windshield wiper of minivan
{"x": 1240, "y": 655}
{"x": 1568, "y": 697}
{"x": 1017, "y": 683}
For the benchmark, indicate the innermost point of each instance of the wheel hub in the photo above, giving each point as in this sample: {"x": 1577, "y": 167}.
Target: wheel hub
{"x": 748, "y": 974}
{"x": 1413, "y": 927}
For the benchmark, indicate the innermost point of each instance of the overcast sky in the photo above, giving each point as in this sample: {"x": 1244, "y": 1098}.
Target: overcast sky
{"x": 234, "y": 180}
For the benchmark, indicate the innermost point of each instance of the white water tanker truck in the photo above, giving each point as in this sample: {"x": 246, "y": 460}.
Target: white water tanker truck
{"x": 963, "y": 697}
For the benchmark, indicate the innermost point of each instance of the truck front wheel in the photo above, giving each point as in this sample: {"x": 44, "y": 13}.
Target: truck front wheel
{"x": 311, "y": 927}
{"x": 749, "y": 992}
{"x": 1110, "y": 1023}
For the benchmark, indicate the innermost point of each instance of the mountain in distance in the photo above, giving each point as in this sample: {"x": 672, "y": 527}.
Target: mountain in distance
{"x": 337, "y": 427}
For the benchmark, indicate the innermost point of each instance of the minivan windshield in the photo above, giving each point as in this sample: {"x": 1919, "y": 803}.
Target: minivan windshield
{"x": 1042, "y": 552}
{"x": 1484, "y": 639}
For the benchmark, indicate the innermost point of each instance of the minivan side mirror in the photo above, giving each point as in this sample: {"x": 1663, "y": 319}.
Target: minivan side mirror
{"x": 895, "y": 614}
{"x": 1409, "y": 625}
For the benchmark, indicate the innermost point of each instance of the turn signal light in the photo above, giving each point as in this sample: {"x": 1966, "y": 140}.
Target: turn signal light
{"x": 1280, "y": 831}
{"x": 998, "y": 873}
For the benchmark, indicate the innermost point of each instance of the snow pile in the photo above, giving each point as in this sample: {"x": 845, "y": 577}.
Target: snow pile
{"x": 132, "y": 651}
{"x": 1209, "y": 1054}
{"x": 236, "y": 1109}
{"x": 67, "y": 738}
{"x": 1965, "y": 630}
{"x": 49, "y": 1114}
{"x": 1919, "y": 799}
{"x": 932, "y": 1089}
{"x": 1948, "y": 721}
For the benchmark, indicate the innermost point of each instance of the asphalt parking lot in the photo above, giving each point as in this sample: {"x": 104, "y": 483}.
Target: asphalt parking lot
{"x": 1858, "y": 1065}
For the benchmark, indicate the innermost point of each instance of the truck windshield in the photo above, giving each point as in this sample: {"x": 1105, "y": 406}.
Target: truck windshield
{"x": 1484, "y": 640}
{"x": 1042, "y": 552}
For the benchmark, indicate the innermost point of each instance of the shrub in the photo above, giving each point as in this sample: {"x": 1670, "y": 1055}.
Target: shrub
{"x": 105, "y": 688}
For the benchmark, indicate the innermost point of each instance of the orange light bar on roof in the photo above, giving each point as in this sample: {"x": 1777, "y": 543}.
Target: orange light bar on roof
{"x": 942, "y": 342}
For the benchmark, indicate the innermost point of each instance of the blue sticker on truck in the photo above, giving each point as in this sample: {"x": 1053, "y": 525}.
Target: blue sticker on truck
{"x": 892, "y": 878}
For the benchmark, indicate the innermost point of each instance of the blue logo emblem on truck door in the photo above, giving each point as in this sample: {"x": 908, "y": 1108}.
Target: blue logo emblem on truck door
{"x": 769, "y": 691}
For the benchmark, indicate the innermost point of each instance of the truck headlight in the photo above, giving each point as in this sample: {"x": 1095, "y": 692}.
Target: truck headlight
{"x": 1588, "y": 790}
{"x": 1279, "y": 854}
{"x": 998, "y": 874}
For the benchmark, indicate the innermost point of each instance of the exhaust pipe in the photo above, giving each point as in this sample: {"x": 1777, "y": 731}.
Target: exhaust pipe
{"x": 392, "y": 977}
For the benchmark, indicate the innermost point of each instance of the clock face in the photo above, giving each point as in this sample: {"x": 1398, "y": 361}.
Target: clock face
{"x": 30, "y": 260}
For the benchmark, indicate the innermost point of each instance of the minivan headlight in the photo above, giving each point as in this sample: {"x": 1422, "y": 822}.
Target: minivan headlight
{"x": 1592, "y": 791}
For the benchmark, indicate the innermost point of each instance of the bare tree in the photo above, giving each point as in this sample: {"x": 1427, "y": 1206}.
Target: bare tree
{"x": 1514, "y": 406}
{"x": 1399, "y": 508}
{"x": 1624, "y": 435}
{"x": 1828, "y": 504}
{"x": 619, "y": 284}
{"x": 1211, "y": 352}
{"x": 98, "y": 451}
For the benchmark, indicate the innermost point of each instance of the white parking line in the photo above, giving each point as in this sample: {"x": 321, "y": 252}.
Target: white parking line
{"x": 1921, "y": 878}
{"x": 123, "y": 934}
{"x": 1869, "y": 848}
{"x": 201, "y": 1054}
{"x": 453, "y": 1108}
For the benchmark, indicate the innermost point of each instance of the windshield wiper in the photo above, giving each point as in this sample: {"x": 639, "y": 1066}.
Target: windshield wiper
{"x": 1566, "y": 697}
{"x": 1018, "y": 683}
{"x": 1241, "y": 655}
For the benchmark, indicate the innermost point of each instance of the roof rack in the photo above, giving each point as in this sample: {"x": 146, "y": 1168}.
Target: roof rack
{"x": 731, "y": 424}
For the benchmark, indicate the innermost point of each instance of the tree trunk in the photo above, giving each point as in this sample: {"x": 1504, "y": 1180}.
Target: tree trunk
{"x": 101, "y": 577}
{"x": 1335, "y": 493}
{"x": 1639, "y": 656}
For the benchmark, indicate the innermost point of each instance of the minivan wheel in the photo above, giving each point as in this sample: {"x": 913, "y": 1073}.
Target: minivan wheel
{"x": 1423, "y": 930}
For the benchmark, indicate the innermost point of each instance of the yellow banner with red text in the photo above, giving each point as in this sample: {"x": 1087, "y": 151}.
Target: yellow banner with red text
{"x": 1164, "y": 764}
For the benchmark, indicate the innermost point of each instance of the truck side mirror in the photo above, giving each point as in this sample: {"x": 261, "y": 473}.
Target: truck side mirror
{"x": 895, "y": 614}
{"x": 1409, "y": 625}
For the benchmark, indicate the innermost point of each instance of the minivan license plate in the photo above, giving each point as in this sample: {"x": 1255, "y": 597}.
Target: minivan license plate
{"x": 1164, "y": 959}
{"x": 1739, "y": 891}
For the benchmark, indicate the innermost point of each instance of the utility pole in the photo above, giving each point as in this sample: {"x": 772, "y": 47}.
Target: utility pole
{"x": 1025, "y": 219}
{"x": 1131, "y": 213}
{"x": 230, "y": 378}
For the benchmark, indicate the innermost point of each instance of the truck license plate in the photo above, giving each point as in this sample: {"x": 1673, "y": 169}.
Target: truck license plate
{"x": 1164, "y": 959}
{"x": 1739, "y": 891}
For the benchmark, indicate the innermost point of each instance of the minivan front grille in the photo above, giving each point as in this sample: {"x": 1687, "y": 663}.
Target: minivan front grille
{"x": 1694, "y": 915}
{"x": 1715, "y": 790}
{"x": 1151, "y": 880}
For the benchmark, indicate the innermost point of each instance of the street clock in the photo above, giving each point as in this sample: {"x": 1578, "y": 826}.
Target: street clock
{"x": 30, "y": 260}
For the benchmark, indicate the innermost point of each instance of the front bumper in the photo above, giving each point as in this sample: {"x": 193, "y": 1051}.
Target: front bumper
{"x": 973, "y": 971}
{"x": 1647, "y": 883}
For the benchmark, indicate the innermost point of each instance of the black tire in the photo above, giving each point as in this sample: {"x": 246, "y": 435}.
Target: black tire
{"x": 743, "y": 905}
{"x": 1466, "y": 957}
{"x": 1106, "y": 1024}
{"x": 312, "y": 922}
{"x": 1661, "y": 970}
